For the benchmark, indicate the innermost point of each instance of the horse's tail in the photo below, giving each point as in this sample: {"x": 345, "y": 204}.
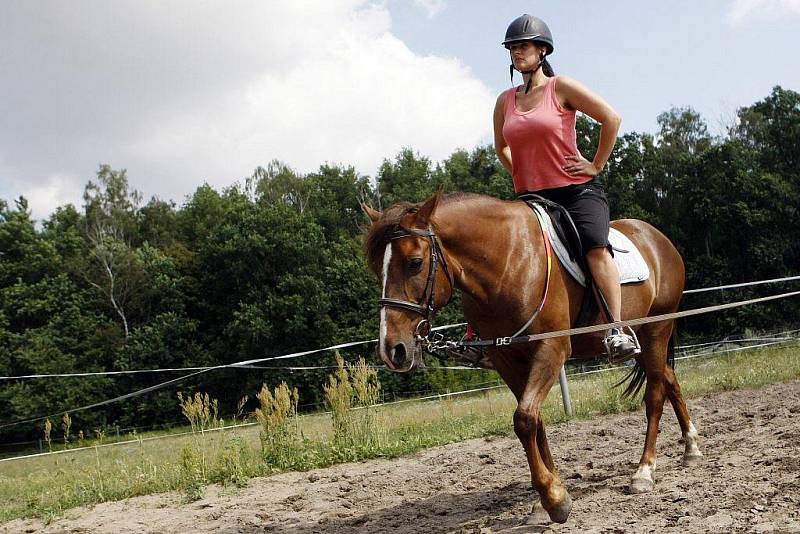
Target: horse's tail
{"x": 637, "y": 376}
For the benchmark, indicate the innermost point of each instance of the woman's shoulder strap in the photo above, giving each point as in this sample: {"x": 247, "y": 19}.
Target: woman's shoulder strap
{"x": 552, "y": 85}
{"x": 510, "y": 99}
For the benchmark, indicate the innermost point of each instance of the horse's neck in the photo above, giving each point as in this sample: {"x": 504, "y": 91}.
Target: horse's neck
{"x": 492, "y": 245}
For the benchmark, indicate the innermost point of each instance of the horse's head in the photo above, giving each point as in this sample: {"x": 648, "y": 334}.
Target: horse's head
{"x": 405, "y": 254}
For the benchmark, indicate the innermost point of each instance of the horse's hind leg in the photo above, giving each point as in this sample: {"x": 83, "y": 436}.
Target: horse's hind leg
{"x": 654, "y": 361}
{"x": 691, "y": 453}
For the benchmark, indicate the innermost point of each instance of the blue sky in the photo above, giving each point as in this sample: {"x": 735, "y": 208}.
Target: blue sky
{"x": 180, "y": 92}
{"x": 643, "y": 57}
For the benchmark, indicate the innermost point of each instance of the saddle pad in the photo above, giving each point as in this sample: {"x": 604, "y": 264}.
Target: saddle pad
{"x": 631, "y": 264}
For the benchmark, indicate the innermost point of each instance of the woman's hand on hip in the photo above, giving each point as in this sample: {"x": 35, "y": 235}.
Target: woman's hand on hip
{"x": 579, "y": 165}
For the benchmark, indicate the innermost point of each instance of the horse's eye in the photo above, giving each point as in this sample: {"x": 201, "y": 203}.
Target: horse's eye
{"x": 415, "y": 265}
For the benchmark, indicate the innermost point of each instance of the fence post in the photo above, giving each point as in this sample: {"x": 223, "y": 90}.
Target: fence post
{"x": 562, "y": 379}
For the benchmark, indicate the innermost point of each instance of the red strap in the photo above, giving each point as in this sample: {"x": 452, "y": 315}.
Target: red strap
{"x": 470, "y": 332}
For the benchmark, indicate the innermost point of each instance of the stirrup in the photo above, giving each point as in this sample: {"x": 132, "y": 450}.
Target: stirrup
{"x": 614, "y": 354}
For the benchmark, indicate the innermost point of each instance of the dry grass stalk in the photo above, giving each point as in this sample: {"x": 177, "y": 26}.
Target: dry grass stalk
{"x": 201, "y": 411}
{"x": 48, "y": 428}
{"x": 351, "y": 387}
{"x": 277, "y": 415}
{"x": 66, "y": 424}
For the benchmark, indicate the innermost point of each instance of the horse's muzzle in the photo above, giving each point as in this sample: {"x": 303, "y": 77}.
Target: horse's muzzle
{"x": 400, "y": 359}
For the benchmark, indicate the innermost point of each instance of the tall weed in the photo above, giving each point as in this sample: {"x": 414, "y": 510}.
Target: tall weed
{"x": 351, "y": 394}
{"x": 66, "y": 425}
{"x": 202, "y": 413}
{"x": 48, "y": 428}
{"x": 234, "y": 453}
{"x": 277, "y": 415}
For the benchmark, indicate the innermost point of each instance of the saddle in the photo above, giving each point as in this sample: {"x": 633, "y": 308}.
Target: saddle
{"x": 566, "y": 243}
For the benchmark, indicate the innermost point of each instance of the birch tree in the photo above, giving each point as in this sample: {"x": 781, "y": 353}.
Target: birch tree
{"x": 110, "y": 224}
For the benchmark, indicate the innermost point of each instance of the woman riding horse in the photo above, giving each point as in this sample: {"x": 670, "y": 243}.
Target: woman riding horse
{"x": 535, "y": 139}
{"x": 495, "y": 254}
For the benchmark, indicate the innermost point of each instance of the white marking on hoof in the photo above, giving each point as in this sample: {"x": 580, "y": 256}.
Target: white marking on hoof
{"x": 691, "y": 454}
{"x": 642, "y": 480}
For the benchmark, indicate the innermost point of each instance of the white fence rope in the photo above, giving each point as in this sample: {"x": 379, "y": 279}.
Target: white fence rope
{"x": 743, "y": 284}
{"x": 706, "y": 348}
{"x": 534, "y": 337}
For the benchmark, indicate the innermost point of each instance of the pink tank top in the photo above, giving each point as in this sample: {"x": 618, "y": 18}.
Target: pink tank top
{"x": 539, "y": 139}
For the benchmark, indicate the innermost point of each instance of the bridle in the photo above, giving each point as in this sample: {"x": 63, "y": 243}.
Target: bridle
{"x": 426, "y": 307}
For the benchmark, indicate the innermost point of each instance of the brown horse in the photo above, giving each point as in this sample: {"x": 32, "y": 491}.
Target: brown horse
{"x": 493, "y": 252}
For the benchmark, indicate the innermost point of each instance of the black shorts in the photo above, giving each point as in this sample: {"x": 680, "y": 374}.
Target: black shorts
{"x": 588, "y": 206}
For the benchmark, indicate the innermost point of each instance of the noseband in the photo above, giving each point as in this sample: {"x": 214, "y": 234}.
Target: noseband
{"x": 425, "y": 308}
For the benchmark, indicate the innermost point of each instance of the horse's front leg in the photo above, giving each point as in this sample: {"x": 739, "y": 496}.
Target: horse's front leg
{"x": 547, "y": 360}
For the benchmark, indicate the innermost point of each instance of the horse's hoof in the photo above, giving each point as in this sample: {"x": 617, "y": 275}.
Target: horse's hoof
{"x": 641, "y": 485}
{"x": 690, "y": 460}
{"x": 560, "y": 512}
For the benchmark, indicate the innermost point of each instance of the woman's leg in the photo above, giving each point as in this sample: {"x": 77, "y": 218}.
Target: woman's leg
{"x": 606, "y": 276}
{"x": 620, "y": 346}
{"x": 588, "y": 207}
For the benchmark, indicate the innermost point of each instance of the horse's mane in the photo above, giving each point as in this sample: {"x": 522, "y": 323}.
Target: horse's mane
{"x": 381, "y": 230}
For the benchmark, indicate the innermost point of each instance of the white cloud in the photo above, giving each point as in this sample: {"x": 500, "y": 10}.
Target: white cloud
{"x": 744, "y": 9}
{"x": 354, "y": 96}
{"x": 431, "y": 7}
{"x": 57, "y": 190}
{"x": 181, "y": 93}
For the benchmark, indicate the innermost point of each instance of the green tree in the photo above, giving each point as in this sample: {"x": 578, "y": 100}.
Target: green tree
{"x": 110, "y": 226}
{"x": 277, "y": 184}
{"x": 409, "y": 177}
{"x": 336, "y": 194}
{"x": 478, "y": 171}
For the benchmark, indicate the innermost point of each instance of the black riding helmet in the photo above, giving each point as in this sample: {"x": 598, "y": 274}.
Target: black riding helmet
{"x": 529, "y": 28}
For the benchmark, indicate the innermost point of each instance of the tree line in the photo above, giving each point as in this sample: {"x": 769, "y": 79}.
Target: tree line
{"x": 274, "y": 264}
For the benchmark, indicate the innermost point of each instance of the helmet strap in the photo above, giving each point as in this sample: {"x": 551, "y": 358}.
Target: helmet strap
{"x": 532, "y": 72}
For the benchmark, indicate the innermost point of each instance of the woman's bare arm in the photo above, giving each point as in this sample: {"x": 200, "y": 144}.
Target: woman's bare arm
{"x": 501, "y": 148}
{"x": 577, "y": 96}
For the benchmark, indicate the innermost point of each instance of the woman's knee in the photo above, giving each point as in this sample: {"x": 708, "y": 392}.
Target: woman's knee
{"x": 598, "y": 254}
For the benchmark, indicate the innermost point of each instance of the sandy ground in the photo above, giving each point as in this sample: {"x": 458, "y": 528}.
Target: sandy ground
{"x": 749, "y": 482}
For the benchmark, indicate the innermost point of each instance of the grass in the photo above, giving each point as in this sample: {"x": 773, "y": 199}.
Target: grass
{"x": 47, "y": 486}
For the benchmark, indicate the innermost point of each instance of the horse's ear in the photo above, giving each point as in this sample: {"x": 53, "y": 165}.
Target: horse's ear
{"x": 426, "y": 210}
{"x": 373, "y": 215}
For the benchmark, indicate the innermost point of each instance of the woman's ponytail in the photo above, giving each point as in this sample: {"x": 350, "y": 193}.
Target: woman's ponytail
{"x": 547, "y": 69}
